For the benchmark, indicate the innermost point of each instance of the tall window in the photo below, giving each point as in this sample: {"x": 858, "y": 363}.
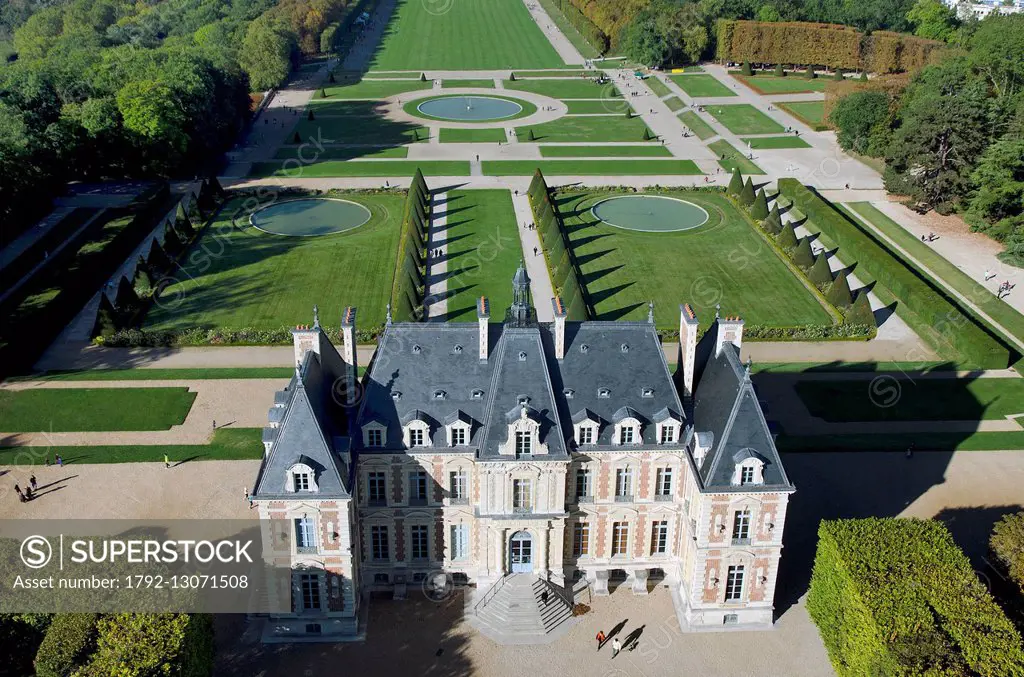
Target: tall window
{"x": 581, "y": 539}
{"x": 668, "y": 434}
{"x": 659, "y": 538}
{"x": 582, "y": 483}
{"x": 418, "y": 487}
{"x": 301, "y": 480}
{"x": 627, "y": 434}
{"x": 419, "y": 534}
{"x": 416, "y": 437}
{"x": 379, "y": 547}
{"x": 620, "y": 539}
{"x": 457, "y": 485}
{"x": 746, "y": 475}
{"x": 741, "y": 527}
{"x": 734, "y": 584}
{"x": 460, "y": 541}
{"x": 305, "y": 535}
{"x": 624, "y": 484}
{"x": 458, "y": 437}
{"x": 663, "y": 484}
{"x": 522, "y": 495}
{"x": 524, "y": 443}
{"x": 310, "y": 584}
{"x": 586, "y": 434}
{"x": 377, "y": 492}
{"x": 375, "y": 437}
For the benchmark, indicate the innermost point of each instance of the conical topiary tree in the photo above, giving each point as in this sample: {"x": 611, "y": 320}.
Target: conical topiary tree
{"x": 736, "y": 182}
{"x": 786, "y": 237}
{"x": 296, "y": 139}
{"x": 423, "y": 77}
{"x": 747, "y": 194}
{"x": 772, "y": 224}
{"x": 310, "y": 115}
{"x": 860, "y": 312}
{"x": 172, "y": 243}
{"x": 810, "y": 75}
{"x": 330, "y": 78}
{"x": 839, "y": 74}
{"x": 531, "y": 136}
{"x": 759, "y": 209}
{"x": 647, "y": 134}
{"x": 106, "y": 318}
{"x": 780, "y": 72}
{"x": 863, "y": 76}
{"x": 126, "y": 298}
{"x": 158, "y": 261}
{"x": 323, "y": 93}
{"x": 820, "y": 273}
{"x": 512, "y": 76}
{"x": 839, "y": 294}
{"x": 629, "y": 114}
{"x": 803, "y": 256}
{"x": 143, "y": 281}
{"x": 746, "y": 70}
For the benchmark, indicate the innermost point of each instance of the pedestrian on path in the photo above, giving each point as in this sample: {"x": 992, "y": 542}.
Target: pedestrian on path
{"x": 544, "y": 597}
{"x": 534, "y": 251}
{"x": 21, "y": 496}
{"x": 32, "y": 481}
{"x": 60, "y": 461}
{"x": 167, "y": 461}
{"x": 616, "y": 647}
{"x": 215, "y": 424}
{"x": 600, "y": 639}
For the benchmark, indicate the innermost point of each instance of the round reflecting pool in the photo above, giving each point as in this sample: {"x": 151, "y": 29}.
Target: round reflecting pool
{"x": 650, "y": 213}
{"x": 310, "y": 216}
{"x": 467, "y": 108}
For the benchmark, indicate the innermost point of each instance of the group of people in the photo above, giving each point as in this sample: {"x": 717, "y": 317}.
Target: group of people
{"x": 632, "y": 639}
{"x": 30, "y": 491}
{"x": 930, "y": 237}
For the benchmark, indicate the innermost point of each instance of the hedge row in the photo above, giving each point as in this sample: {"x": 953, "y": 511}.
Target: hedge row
{"x": 897, "y": 597}
{"x": 69, "y": 641}
{"x": 609, "y": 16}
{"x": 590, "y": 31}
{"x": 936, "y": 317}
{"x": 1006, "y": 546}
{"x": 409, "y": 287}
{"x": 130, "y": 644}
{"x": 557, "y": 250}
{"x": 829, "y": 45}
{"x": 221, "y": 336}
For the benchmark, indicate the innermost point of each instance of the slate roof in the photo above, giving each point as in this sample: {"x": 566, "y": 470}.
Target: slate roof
{"x": 726, "y": 406}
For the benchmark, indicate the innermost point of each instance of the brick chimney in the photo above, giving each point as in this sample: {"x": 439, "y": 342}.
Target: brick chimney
{"x": 559, "y": 309}
{"x": 348, "y": 338}
{"x": 483, "y": 317}
{"x": 730, "y": 330}
{"x": 687, "y": 347}
{"x": 306, "y": 337}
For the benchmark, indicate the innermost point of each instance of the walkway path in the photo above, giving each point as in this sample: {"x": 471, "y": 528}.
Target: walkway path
{"x": 19, "y": 244}
{"x": 570, "y": 55}
{"x": 436, "y": 301}
{"x": 533, "y": 255}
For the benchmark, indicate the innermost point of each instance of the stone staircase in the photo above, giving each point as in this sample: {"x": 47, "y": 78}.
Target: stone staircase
{"x": 512, "y": 611}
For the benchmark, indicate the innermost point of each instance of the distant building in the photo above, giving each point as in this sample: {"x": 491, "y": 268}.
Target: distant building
{"x": 983, "y": 8}
{"x": 472, "y": 451}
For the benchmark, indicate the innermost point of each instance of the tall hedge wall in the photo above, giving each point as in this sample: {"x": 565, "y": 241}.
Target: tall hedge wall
{"x": 937, "y": 318}
{"x": 130, "y": 645}
{"x": 896, "y": 597}
{"x": 561, "y": 263}
{"x": 408, "y": 290}
{"x": 830, "y": 45}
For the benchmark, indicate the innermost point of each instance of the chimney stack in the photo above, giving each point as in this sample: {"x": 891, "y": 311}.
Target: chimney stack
{"x": 559, "y": 308}
{"x": 730, "y": 330}
{"x": 306, "y": 338}
{"x": 348, "y": 337}
{"x": 483, "y": 317}
{"x": 687, "y": 347}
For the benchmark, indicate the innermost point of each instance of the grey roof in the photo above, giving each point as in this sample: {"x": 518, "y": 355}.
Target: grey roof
{"x": 665, "y": 414}
{"x": 624, "y": 373}
{"x": 725, "y": 405}
{"x": 458, "y": 415}
{"x": 626, "y": 412}
{"x": 585, "y": 415}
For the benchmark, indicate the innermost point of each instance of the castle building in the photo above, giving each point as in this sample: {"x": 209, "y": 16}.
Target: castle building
{"x": 471, "y": 452}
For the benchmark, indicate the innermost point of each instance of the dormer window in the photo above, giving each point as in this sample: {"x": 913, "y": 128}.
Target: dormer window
{"x": 416, "y": 430}
{"x": 524, "y": 443}
{"x": 457, "y": 350}
{"x": 300, "y": 477}
{"x": 300, "y": 481}
{"x": 416, "y": 437}
{"x": 586, "y": 434}
{"x": 439, "y": 395}
{"x": 604, "y": 393}
{"x": 478, "y": 394}
{"x": 374, "y": 434}
{"x": 668, "y": 434}
{"x": 624, "y": 347}
{"x": 627, "y": 434}
{"x": 458, "y": 426}
{"x": 746, "y": 475}
{"x": 647, "y": 392}
{"x": 568, "y": 392}
{"x": 396, "y": 395}
{"x": 522, "y": 356}
{"x": 749, "y": 467}
{"x": 416, "y": 350}
{"x": 584, "y": 348}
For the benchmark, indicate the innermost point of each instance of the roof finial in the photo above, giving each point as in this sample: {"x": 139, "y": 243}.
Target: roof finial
{"x": 316, "y": 316}
{"x": 746, "y": 370}
{"x": 718, "y": 307}
{"x": 388, "y": 316}
{"x": 650, "y": 312}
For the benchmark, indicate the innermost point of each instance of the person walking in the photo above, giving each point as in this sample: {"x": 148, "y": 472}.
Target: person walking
{"x": 32, "y": 481}
{"x": 60, "y": 461}
{"x": 167, "y": 461}
{"x": 616, "y": 647}
{"x": 21, "y": 496}
{"x": 600, "y": 639}
{"x": 544, "y": 597}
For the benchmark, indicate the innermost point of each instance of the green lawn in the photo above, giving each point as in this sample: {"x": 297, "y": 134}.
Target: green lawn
{"x": 659, "y": 88}
{"x": 998, "y": 310}
{"x": 776, "y": 142}
{"x": 698, "y": 86}
{"x": 161, "y": 374}
{"x": 554, "y": 73}
{"x": 742, "y": 118}
{"x": 93, "y": 409}
{"x": 794, "y": 83}
{"x": 984, "y": 441}
{"x": 650, "y": 150}
{"x": 906, "y": 368}
{"x": 693, "y": 122}
{"x": 582, "y": 45}
{"x": 675, "y": 104}
{"x": 980, "y": 399}
{"x": 811, "y": 113}
{"x": 586, "y": 128}
{"x": 361, "y": 130}
{"x": 228, "y": 444}
{"x": 350, "y": 153}
{"x": 370, "y": 89}
{"x": 467, "y": 135}
{"x": 725, "y": 261}
{"x": 451, "y": 84}
{"x": 248, "y": 278}
{"x": 483, "y": 251}
{"x": 330, "y": 168}
{"x": 576, "y": 88}
{"x": 394, "y": 75}
{"x": 730, "y": 158}
{"x": 590, "y": 167}
{"x": 604, "y": 106}
{"x": 464, "y": 35}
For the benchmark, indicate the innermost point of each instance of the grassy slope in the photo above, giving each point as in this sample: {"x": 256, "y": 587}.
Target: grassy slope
{"x": 483, "y": 252}
{"x": 701, "y": 85}
{"x": 733, "y": 158}
{"x": 228, "y": 444}
{"x": 742, "y": 118}
{"x": 702, "y": 129}
{"x": 590, "y": 167}
{"x": 586, "y": 128}
{"x": 93, "y": 409}
{"x": 469, "y": 35}
{"x": 724, "y": 261}
{"x": 253, "y": 279}
{"x": 649, "y": 150}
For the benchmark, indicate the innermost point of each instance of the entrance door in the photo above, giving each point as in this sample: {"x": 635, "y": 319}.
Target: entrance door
{"x": 521, "y": 553}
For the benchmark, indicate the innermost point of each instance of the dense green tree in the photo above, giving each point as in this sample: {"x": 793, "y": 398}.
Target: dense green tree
{"x": 666, "y": 31}
{"x": 1007, "y": 545}
{"x": 997, "y": 52}
{"x": 861, "y": 120}
{"x": 267, "y": 53}
{"x": 933, "y": 19}
{"x": 999, "y": 178}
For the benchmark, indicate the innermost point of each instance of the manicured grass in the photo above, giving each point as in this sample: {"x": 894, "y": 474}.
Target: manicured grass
{"x": 576, "y": 88}
{"x": 482, "y": 250}
{"x": 361, "y": 130}
{"x": 370, "y": 89}
{"x": 451, "y": 84}
{"x": 569, "y": 128}
{"x": 724, "y": 261}
{"x": 703, "y": 130}
{"x": 985, "y": 441}
{"x": 701, "y": 85}
{"x": 650, "y": 150}
{"x": 913, "y": 399}
{"x": 394, "y": 75}
{"x": 776, "y": 142}
{"x": 742, "y": 118}
{"x": 687, "y": 69}
{"x": 674, "y": 104}
{"x": 590, "y": 167}
{"x": 351, "y": 153}
{"x": 998, "y": 310}
{"x": 811, "y": 113}
{"x": 659, "y": 88}
{"x": 492, "y": 135}
{"x": 730, "y": 158}
{"x": 93, "y": 409}
{"x": 466, "y": 35}
{"x": 554, "y": 73}
{"x": 249, "y": 278}
{"x": 228, "y": 444}
{"x": 602, "y": 107}
{"x": 582, "y": 45}
{"x": 356, "y": 168}
{"x": 901, "y": 368}
{"x": 161, "y": 374}
{"x": 794, "y": 83}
